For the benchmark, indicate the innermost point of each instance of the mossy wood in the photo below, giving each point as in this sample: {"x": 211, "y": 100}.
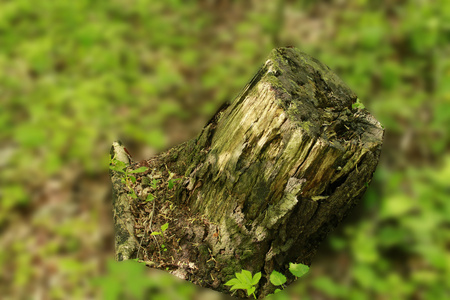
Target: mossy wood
{"x": 263, "y": 183}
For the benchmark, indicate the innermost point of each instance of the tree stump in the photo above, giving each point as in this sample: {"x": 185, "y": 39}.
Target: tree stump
{"x": 265, "y": 181}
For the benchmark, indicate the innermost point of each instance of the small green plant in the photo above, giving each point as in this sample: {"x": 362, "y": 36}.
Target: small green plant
{"x": 278, "y": 279}
{"x": 171, "y": 180}
{"x": 298, "y": 270}
{"x": 245, "y": 281}
{"x": 150, "y": 196}
{"x": 161, "y": 233}
{"x": 127, "y": 178}
{"x": 358, "y": 104}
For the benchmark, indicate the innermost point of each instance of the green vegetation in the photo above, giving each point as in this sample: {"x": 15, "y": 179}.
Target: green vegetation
{"x": 161, "y": 233}
{"x": 163, "y": 228}
{"x": 278, "y": 279}
{"x": 171, "y": 180}
{"x": 245, "y": 281}
{"x": 358, "y": 104}
{"x": 128, "y": 178}
{"x": 132, "y": 280}
{"x": 77, "y": 75}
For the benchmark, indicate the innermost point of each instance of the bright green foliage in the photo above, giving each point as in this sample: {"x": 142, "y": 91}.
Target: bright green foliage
{"x": 358, "y": 104}
{"x": 126, "y": 279}
{"x": 171, "y": 182}
{"x": 138, "y": 170}
{"x": 150, "y": 197}
{"x": 277, "y": 278}
{"x": 298, "y": 270}
{"x": 245, "y": 281}
{"x": 131, "y": 280}
{"x": 163, "y": 229}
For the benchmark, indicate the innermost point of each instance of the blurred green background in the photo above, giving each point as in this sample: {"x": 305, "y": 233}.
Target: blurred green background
{"x": 76, "y": 75}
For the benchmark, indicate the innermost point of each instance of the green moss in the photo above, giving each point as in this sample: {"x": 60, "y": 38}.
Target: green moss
{"x": 246, "y": 254}
{"x": 174, "y": 155}
{"x": 228, "y": 271}
{"x": 306, "y": 125}
{"x": 204, "y": 136}
{"x": 203, "y": 250}
{"x": 275, "y": 83}
{"x": 232, "y": 265}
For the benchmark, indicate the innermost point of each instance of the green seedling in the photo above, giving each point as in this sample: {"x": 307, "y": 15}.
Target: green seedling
{"x": 155, "y": 183}
{"x": 150, "y": 197}
{"x": 278, "y": 279}
{"x": 161, "y": 233}
{"x": 171, "y": 181}
{"x": 127, "y": 178}
{"x": 163, "y": 228}
{"x": 298, "y": 270}
{"x": 358, "y": 104}
{"x": 245, "y": 281}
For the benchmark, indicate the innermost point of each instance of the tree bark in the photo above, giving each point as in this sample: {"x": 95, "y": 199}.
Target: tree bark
{"x": 261, "y": 186}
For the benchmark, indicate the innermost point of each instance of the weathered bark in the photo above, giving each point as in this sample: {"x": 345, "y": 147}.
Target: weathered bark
{"x": 261, "y": 185}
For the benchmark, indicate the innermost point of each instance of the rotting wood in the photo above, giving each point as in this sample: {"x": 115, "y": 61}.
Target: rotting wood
{"x": 264, "y": 182}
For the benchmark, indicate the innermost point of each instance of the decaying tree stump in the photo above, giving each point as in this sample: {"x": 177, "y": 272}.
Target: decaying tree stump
{"x": 261, "y": 186}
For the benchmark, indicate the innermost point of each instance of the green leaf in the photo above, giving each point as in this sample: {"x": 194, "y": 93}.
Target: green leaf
{"x": 232, "y": 281}
{"x": 256, "y": 278}
{"x": 239, "y": 286}
{"x": 139, "y": 170}
{"x": 170, "y": 184}
{"x": 251, "y": 290}
{"x": 155, "y": 233}
{"x": 247, "y": 276}
{"x": 155, "y": 183}
{"x": 276, "y": 291}
{"x": 164, "y": 227}
{"x": 115, "y": 168}
{"x": 298, "y": 269}
{"x": 150, "y": 197}
{"x": 277, "y": 278}
{"x": 132, "y": 178}
{"x": 241, "y": 277}
{"x": 118, "y": 165}
{"x": 133, "y": 194}
{"x": 358, "y": 104}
